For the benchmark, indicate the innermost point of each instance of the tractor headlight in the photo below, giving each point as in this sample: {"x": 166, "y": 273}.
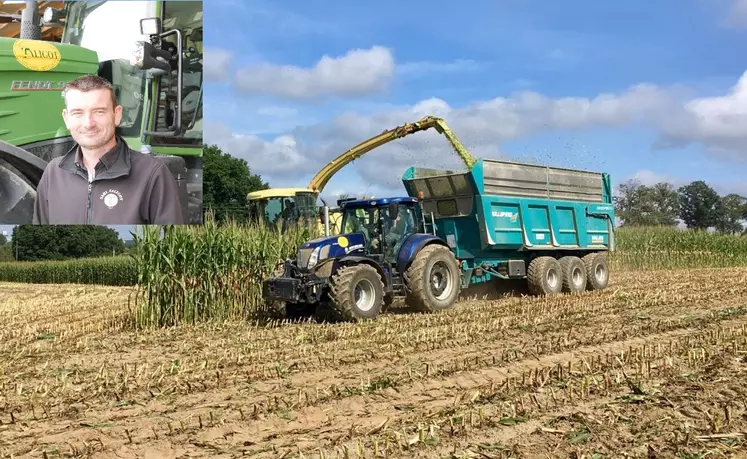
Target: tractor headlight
{"x": 314, "y": 258}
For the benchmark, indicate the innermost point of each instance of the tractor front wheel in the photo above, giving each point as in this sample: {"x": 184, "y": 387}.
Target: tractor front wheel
{"x": 432, "y": 281}
{"x": 357, "y": 292}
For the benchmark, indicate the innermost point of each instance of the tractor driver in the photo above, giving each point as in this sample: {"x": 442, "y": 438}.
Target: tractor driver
{"x": 101, "y": 181}
{"x": 398, "y": 230}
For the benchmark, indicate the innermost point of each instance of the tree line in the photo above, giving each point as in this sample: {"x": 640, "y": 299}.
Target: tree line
{"x": 696, "y": 204}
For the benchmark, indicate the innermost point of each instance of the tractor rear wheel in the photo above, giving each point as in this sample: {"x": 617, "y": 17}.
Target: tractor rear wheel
{"x": 432, "y": 282}
{"x": 544, "y": 276}
{"x": 597, "y": 272}
{"x": 357, "y": 292}
{"x": 574, "y": 274}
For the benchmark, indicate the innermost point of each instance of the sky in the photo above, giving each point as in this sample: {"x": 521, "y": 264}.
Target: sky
{"x": 647, "y": 90}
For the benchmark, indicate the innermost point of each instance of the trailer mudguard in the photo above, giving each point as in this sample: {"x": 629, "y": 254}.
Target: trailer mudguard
{"x": 412, "y": 245}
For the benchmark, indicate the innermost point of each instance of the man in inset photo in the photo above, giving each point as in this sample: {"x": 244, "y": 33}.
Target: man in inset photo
{"x": 101, "y": 181}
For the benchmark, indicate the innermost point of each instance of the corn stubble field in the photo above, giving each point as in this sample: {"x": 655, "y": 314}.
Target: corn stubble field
{"x": 655, "y": 366}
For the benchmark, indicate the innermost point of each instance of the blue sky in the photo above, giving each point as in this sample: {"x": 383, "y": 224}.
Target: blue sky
{"x": 636, "y": 89}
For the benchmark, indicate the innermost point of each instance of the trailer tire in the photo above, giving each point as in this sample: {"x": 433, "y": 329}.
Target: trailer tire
{"x": 343, "y": 289}
{"x": 544, "y": 276}
{"x": 574, "y": 274}
{"x": 422, "y": 294}
{"x": 597, "y": 271}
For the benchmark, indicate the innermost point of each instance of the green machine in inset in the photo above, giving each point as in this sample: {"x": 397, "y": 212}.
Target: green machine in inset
{"x": 151, "y": 52}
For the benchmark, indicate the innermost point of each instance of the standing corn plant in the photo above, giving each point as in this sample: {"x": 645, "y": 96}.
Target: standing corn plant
{"x": 194, "y": 274}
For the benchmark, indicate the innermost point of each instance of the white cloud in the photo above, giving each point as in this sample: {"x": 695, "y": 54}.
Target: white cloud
{"x": 716, "y": 122}
{"x": 217, "y": 63}
{"x": 358, "y": 72}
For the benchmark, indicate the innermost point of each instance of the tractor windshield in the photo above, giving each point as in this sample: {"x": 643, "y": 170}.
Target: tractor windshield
{"x": 376, "y": 221}
{"x": 111, "y": 29}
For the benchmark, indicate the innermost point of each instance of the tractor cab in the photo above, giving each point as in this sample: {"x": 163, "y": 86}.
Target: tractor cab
{"x": 385, "y": 223}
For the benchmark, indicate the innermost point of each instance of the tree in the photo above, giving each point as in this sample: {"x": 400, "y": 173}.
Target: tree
{"x": 732, "y": 212}
{"x": 59, "y": 242}
{"x": 226, "y": 182}
{"x": 641, "y": 205}
{"x": 700, "y": 205}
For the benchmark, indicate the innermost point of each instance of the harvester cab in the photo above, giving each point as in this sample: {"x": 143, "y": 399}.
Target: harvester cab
{"x": 150, "y": 51}
{"x": 382, "y": 252}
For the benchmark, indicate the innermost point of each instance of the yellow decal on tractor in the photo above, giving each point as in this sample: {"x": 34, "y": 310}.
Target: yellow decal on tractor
{"x": 342, "y": 241}
{"x": 41, "y": 56}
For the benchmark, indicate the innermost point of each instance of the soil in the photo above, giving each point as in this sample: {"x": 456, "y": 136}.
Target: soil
{"x": 653, "y": 366}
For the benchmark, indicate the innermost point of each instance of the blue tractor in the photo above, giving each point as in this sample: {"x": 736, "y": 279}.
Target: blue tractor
{"x": 383, "y": 252}
{"x": 499, "y": 220}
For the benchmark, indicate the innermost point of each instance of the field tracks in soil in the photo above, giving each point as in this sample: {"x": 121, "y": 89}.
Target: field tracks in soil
{"x": 464, "y": 383}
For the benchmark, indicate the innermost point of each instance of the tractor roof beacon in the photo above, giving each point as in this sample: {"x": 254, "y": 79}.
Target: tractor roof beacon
{"x": 151, "y": 52}
{"x": 500, "y": 220}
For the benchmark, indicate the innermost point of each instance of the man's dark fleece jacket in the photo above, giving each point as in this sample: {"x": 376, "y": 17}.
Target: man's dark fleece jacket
{"x": 128, "y": 188}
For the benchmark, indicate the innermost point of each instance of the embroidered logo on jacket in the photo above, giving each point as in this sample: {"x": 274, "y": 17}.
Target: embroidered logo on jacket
{"x": 111, "y": 198}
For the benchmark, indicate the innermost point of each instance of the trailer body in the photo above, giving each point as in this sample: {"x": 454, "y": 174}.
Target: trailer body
{"x": 499, "y": 216}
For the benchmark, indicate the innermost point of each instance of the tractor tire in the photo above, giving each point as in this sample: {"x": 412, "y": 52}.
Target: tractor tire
{"x": 357, "y": 292}
{"x": 574, "y": 274}
{"x": 544, "y": 276}
{"x": 435, "y": 263}
{"x": 597, "y": 271}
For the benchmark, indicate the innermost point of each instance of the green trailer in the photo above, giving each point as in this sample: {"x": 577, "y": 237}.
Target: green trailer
{"x": 151, "y": 52}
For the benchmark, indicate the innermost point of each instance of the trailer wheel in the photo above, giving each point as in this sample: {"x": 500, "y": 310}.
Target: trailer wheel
{"x": 597, "y": 271}
{"x": 574, "y": 274}
{"x": 357, "y": 292}
{"x": 432, "y": 281}
{"x": 544, "y": 276}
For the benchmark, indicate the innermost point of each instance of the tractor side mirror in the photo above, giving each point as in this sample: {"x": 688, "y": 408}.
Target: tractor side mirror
{"x": 393, "y": 210}
{"x": 146, "y": 57}
{"x": 150, "y": 26}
